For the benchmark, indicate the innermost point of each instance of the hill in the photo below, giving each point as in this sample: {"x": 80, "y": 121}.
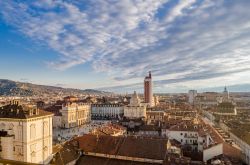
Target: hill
{"x": 14, "y": 88}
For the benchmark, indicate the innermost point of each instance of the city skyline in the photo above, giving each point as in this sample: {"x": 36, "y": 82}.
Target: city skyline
{"x": 111, "y": 45}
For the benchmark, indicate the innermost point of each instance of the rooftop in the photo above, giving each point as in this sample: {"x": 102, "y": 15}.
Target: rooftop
{"x": 21, "y": 112}
{"x": 124, "y": 146}
{"x": 91, "y": 160}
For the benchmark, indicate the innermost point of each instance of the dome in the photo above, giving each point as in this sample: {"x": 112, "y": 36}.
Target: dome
{"x": 135, "y": 100}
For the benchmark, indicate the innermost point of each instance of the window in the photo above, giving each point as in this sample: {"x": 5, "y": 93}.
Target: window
{"x": 45, "y": 128}
{"x": 45, "y": 152}
{"x": 181, "y": 134}
{"x": 32, "y": 131}
{"x": 19, "y": 132}
{"x": 33, "y": 152}
{"x": 33, "y": 157}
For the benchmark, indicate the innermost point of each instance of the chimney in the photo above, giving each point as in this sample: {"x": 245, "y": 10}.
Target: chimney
{"x": 37, "y": 111}
{"x": 31, "y": 112}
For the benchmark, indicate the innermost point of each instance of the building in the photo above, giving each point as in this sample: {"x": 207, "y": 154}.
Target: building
{"x": 75, "y": 114}
{"x": 207, "y": 100}
{"x": 148, "y": 93}
{"x": 226, "y": 109}
{"x": 156, "y": 101}
{"x": 191, "y": 96}
{"x": 196, "y": 137}
{"x": 26, "y": 133}
{"x": 226, "y": 106}
{"x": 155, "y": 116}
{"x": 107, "y": 111}
{"x": 135, "y": 109}
{"x": 70, "y": 99}
{"x": 69, "y": 114}
{"x": 150, "y": 130}
{"x": 109, "y": 129}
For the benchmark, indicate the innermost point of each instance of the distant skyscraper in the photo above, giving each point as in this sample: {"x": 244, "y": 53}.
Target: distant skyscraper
{"x": 148, "y": 94}
{"x": 191, "y": 96}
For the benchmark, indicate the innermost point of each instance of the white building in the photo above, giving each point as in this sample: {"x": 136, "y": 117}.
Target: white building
{"x": 191, "y": 96}
{"x": 135, "y": 109}
{"x": 107, "y": 111}
{"x": 26, "y": 134}
{"x": 196, "y": 136}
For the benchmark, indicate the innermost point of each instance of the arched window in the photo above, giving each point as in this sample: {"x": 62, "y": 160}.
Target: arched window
{"x": 45, "y": 128}
{"x": 32, "y": 131}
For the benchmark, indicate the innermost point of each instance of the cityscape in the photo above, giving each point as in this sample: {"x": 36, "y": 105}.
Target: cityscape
{"x": 124, "y": 82}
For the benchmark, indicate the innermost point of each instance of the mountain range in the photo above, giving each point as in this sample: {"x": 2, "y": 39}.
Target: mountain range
{"x": 15, "y": 88}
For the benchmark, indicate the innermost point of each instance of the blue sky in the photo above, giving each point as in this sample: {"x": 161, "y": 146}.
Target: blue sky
{"x": 112, "y": 44}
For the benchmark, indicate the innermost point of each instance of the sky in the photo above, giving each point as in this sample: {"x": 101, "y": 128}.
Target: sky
{"x": 112, "y": 44}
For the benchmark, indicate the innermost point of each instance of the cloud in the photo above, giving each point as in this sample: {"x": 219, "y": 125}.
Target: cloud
{"x": 180, "y": 41}
{"x": 178, "y": 9}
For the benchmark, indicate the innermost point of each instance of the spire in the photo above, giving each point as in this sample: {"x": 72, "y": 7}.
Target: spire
{"x": 225, "y": 89}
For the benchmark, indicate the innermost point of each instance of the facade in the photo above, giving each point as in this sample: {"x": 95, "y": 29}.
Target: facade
{"x": 69, "y": 114}
{"x": 150, "y": 131}
{"x": 75, "y": 114}
{"x": 156, "y": 101}
{"x": 207, "y": 100}
{"x": 226, "y": 109}
{"x": 148, "y": 93}
{"x": 155, "y": 116}
{"x": 26, "y": 134}
{"x": 135, "y": 109}
{"x": 107, "y": 111}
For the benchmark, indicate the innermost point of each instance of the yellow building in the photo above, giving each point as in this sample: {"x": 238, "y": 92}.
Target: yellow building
{"x": 75, "y": 114}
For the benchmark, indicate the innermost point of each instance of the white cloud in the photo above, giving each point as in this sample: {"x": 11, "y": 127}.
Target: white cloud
{"x": 178, "y": 9}
{"x": 180, "y": 42}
